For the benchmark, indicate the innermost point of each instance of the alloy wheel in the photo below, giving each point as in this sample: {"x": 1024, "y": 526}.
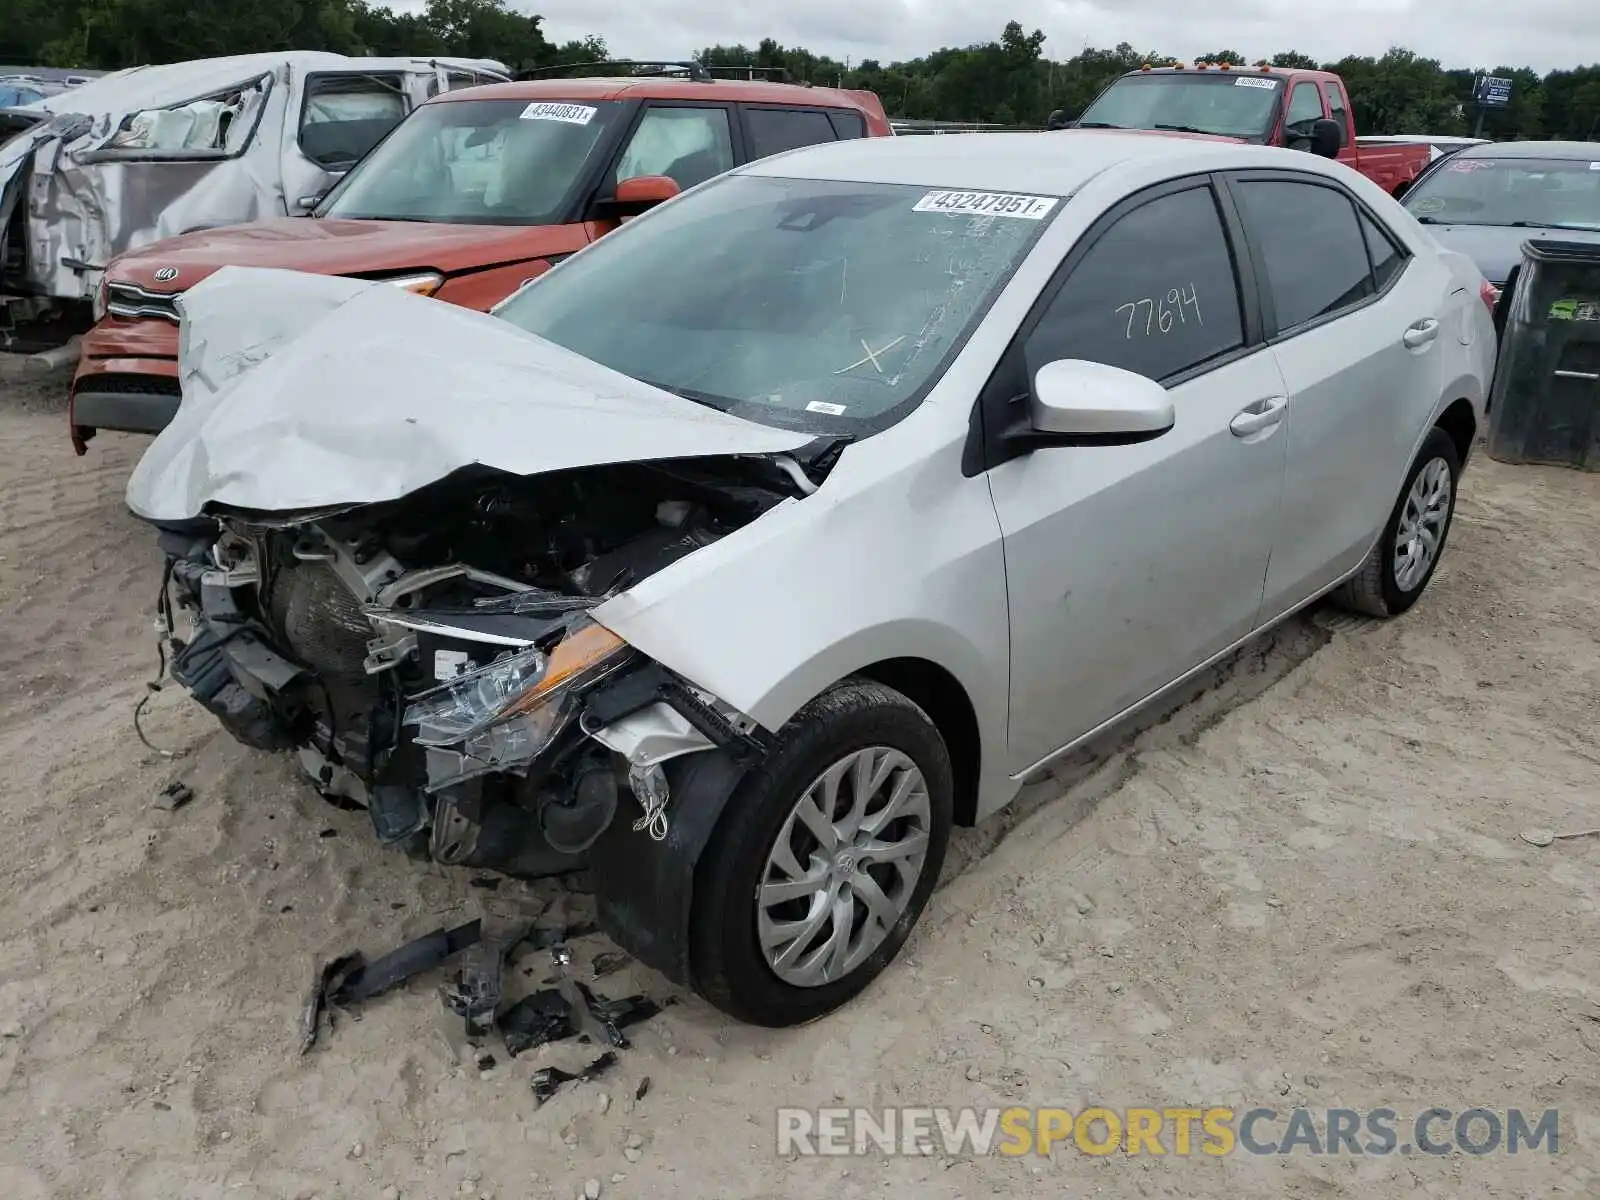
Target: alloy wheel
{"x": 1422, "y": 524}
{"x": 844, "y": 866}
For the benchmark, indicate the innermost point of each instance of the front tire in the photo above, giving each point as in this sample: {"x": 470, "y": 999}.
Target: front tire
{"x": 823, "y": 859}
{"x": 1396, "y": 572}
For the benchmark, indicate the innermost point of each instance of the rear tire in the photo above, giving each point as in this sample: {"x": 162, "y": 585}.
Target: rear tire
{"x": 859, "y": 791}
{"x": 1396, "y": 572}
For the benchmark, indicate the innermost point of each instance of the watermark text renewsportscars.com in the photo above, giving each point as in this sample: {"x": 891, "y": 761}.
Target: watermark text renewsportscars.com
{"x": 1167, "y": 1131}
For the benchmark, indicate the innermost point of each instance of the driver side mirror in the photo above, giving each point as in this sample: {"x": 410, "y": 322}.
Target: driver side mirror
{"x": 1076, "y": 402}
{"x": 634, "y": 196}
{"x": 1327, "y": 138}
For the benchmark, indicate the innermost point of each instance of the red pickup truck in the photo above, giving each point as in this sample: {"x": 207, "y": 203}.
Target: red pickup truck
{"x": 1272, "y": 106}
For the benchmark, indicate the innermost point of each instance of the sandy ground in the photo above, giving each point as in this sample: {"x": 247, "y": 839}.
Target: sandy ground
{"x": 1305, "y": 886}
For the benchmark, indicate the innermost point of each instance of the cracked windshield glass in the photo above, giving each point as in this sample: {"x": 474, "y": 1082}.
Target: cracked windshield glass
{"x": 808, "y": 304}
{"x": 476, "y": 162}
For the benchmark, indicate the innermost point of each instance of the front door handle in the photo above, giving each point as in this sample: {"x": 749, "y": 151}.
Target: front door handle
{"x": 1421, "y": 333}
{"x": 1258, "y": 416}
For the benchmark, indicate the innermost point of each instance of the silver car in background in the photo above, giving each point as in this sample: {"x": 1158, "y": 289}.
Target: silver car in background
{"x": 744, "y": 553}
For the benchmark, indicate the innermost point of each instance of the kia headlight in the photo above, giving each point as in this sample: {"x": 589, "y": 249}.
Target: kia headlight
{"x": 423, "y": 283}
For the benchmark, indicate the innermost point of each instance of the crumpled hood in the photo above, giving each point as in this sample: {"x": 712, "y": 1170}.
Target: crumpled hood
{"x": 1497, "y": 248}
{"x": 308, "y": 391}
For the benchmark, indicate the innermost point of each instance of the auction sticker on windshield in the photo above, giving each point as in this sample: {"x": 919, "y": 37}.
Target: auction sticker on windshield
{"x": 986, "y": 204}
{"x": 1255, "y": 81}
{"x": 571, "y": 114}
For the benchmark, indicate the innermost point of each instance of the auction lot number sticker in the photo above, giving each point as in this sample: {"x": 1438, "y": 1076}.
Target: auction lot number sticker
{"x": 986, "y": 204}
{"x": 568, "y": 114}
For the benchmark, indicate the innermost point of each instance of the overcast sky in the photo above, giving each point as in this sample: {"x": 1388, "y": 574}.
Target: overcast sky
{"x": 1539, "y": 33}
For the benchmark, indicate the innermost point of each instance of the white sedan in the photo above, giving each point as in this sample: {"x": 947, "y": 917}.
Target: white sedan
{"x": 742, "y": 554}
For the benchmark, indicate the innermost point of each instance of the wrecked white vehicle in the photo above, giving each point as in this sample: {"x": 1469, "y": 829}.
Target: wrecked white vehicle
{"x": 152, "y": 152}
{"x": 749, "y": 549}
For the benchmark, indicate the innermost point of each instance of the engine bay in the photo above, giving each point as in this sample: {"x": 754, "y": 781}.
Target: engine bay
{"x": 427, "y": 657}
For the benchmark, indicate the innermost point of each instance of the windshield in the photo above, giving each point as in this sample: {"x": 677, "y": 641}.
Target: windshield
{"x": 820, "y": 306}
{"x": 1563, "y": 193}
{"x": 14, "y": 95}
{"x": 1224, "y": 104}
{"x": 475, "y": 162}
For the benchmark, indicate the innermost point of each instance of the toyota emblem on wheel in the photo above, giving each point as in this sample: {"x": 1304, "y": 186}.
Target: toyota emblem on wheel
{"x": 166, "y": 274}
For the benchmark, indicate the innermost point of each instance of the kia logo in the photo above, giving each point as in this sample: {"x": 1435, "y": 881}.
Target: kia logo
{"x": 166, "y": 274}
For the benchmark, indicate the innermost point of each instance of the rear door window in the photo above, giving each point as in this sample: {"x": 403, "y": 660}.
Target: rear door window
{"x": 1156, "y": 293}
{"x": 847, "y": 124}
{"x": 344, "y": 116}
{"x": 689, "y": 145}
{"x": 1313, "y": 252}
{"x": 1335, "y": 97}
{"x": 774, "y": 130}
{"x": 1387, "y": 258}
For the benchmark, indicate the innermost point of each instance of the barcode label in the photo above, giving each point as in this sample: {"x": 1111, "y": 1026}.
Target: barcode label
{"x": 987, "y": 204}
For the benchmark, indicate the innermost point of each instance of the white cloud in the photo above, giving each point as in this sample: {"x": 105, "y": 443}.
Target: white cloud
{"x": 1462, "y": 33}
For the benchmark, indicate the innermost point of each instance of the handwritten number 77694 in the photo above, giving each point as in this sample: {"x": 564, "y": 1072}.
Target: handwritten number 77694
{"x": 1161, "y": 314}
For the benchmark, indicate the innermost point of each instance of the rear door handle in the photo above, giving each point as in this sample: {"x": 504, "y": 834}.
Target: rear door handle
{"x": 1421, "y": 333}
{"x": 1258, "y": 416}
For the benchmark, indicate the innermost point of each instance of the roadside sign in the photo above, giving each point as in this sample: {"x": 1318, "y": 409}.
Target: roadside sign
{"x": 1491, "y": 91}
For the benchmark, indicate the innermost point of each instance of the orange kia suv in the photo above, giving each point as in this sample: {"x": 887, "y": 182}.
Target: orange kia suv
{"x": 472, "y": 195}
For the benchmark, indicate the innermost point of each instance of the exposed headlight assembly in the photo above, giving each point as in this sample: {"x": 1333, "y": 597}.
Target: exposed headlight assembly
{"x": 502, "y": 716}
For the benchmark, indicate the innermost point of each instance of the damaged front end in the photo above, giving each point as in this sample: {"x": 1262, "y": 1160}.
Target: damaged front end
{"x": 433, "y": 658}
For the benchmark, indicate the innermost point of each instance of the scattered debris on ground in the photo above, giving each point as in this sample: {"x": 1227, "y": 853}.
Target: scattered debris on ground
{"x": 546, "y": 1080}
{"x": 473, "y": 996}
{"x": 174, "y": 796}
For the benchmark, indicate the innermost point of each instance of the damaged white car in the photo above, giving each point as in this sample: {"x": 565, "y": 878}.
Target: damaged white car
{"x": 151, "y": 152}
{"x": 745, "y": 552}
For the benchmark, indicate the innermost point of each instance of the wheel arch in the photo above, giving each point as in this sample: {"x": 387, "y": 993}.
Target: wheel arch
{"x": 1460, "y": 421}
{"x": 939, "y": 694}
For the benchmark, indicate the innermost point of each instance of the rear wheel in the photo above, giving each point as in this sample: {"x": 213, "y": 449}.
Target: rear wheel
{"x": 823, "y": 859}
{"x": 1399, "y": 567}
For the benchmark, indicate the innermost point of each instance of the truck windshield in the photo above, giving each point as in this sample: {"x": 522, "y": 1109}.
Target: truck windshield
{"x": 1478, "y": 190}
{"x": 476, "y": 162}
{"x": 1225, "y": 104}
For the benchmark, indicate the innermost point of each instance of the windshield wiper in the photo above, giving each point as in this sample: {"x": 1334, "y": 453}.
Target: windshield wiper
{"x": 823, "y": 452}
{"x": 1096, "y": 125}
{"x": 1179, "y": 129}
{"x": 706, "y": 398}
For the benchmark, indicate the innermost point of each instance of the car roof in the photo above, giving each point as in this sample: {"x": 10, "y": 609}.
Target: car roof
{"x": 1577, "y": 150}
{"x": 648, "y": 87}
{"x": 1057, "y": 163}
{"x": 137, "y": 88}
